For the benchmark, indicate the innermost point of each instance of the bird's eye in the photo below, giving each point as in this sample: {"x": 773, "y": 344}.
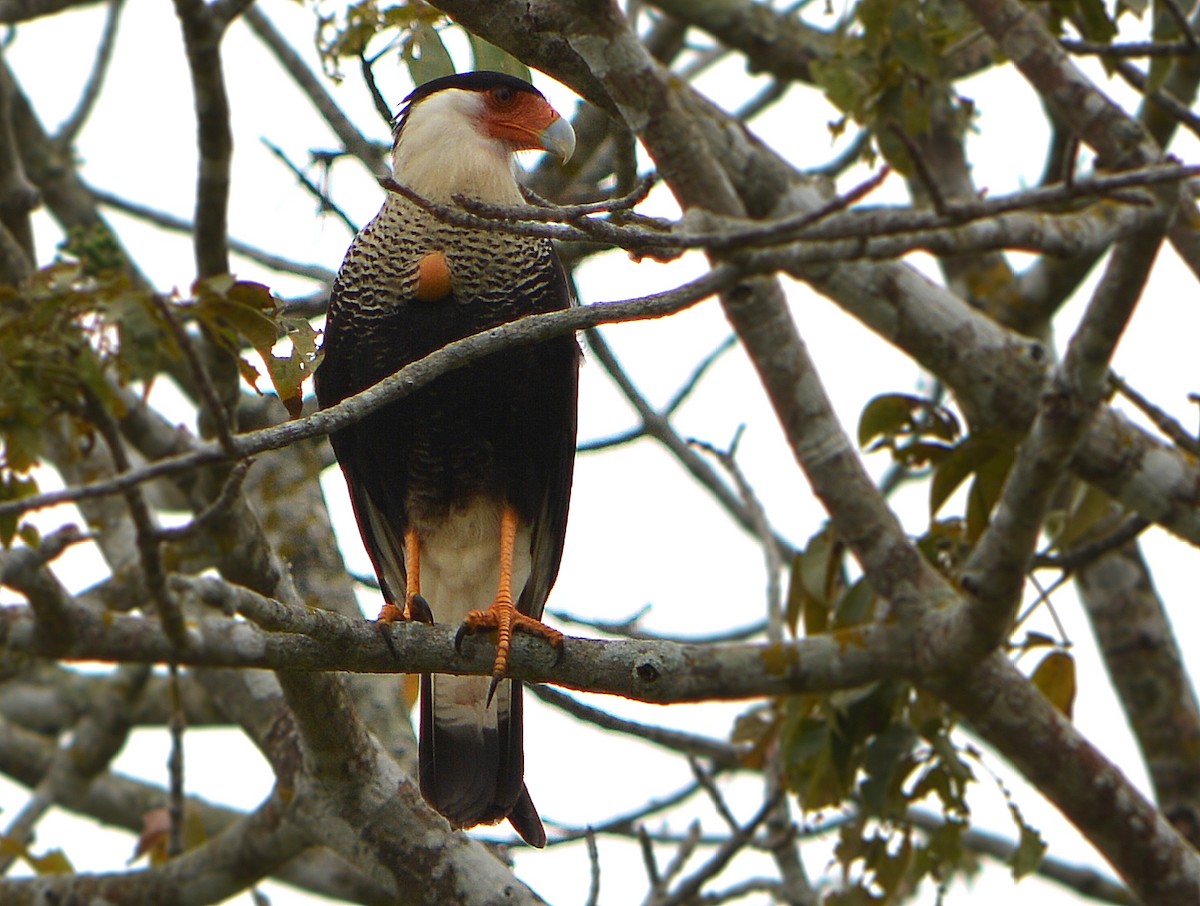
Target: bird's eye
{"x": 503, "y": 95}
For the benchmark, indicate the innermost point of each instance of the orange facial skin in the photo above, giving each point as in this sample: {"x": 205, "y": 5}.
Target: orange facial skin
{"x": 517, "y": 118}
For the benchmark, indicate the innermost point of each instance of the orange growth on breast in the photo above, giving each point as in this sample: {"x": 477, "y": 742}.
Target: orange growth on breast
{"x": 433, "y": 277}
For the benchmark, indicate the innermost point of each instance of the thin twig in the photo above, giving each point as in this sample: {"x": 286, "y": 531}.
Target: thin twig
{"x": 683, "y": 852}
{"x": 628, "y": 629}
{"x": 705, "y": 779}
{"x": 649, "y": 860}
{"x": 182, "y": 225}
{"x": 326, "y": 204}
{"x": 677, "y": 400}
{"x": 717, "y": 751}
{"x": 408, "y": 379}
{"x": 176, "y": 795}
{"x": 628, "y": 824}
{"x": 773, "y": 553}
{"x": 1170, "y": 104}
{"x": 218, "y": 507}
{"x": 152, "y": 567}
{"x": 221, "y": 417}
{"x": 366, "y": 68}
{"x": 1075, "y": 558}
{"x": 698, "y": 373}
{"x": 866, "y": 226}
{"x": 763, "y": 100}
{"x": 921, "y": 168}
{"x": 593, "y": 852}
{"x": 847, "y": 159}
{"x": 1158, "y": 416}
{"x": 1128, "y": 49}
{"x": 70, "y": 128}
{"x": 371, "y": 155}
{"x": 1176, "y": 12}
{"x": 690, "y": 887}
{"x": 657, "y": 426}
{"x": 552, "y": 212}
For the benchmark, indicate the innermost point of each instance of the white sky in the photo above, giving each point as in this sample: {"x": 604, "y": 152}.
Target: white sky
{"x": 640, "y": 534}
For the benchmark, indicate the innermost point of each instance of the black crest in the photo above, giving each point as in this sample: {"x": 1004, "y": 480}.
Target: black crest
{"x": 482, "y": 80}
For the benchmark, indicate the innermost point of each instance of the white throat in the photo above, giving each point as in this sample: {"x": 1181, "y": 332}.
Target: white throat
{"x": 442, "y": 153}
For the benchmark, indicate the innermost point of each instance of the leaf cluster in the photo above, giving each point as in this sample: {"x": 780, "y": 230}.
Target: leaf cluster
{"x": 234, "y": 312}
{"x": 367, "y": 30}
{"x": 889, "y": 66}
{"x": 884, "y": 751}
{"x": 67, "y": 337}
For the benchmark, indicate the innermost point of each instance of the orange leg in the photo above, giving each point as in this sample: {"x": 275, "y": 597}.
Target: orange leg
{"x": 415, "y": 607}
{"x": 503, "y": 615}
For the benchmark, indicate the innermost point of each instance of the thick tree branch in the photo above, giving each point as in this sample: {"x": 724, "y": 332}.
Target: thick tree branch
{"x": 202, "y": 33}
{"x": 995, "y": 573}
{"x": 1146, "y": 666}
{"x": 122, "y": 802}
{"x": 312, "y": 639}
{"x": 1004, "y": 708}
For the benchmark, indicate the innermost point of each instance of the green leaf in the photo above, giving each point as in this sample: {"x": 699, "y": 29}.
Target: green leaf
{"x": 818, "y": 564}
{"x": 289, "y": 372}
{"x": 808, "y": 764}
{"x": 887, "y": 764}
{"x": 231, "y": 308}
{"x": 1054, "y": 677}
{"x": 945, "y": 545}
{"x": 980, "y": 453}
{"x": 1030, "y": 846}
{"x": 13, "y": 487}
{"x": 855, "y": 606}
{"x": 985, "y": 491}
{"x": 920, "y": 453}
{"x": 489, "y": 56}
{"x": 947, "y": 775}
{"x": 1096, "y": 25}
{"x": 887, "y": 415}
{"x": 1089, "y": 511}
{"x": 757, "y": 729}
{"x": 425, "y": 55}
{"x": 890, "y": 417}
{"x": 796, "y": 599}
{"x": 54, "y": 862}
{"x": 846, "y": 82}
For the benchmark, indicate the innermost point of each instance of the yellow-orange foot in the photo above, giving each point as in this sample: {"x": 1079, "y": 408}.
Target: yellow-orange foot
{"x": 415, "y": 609}
{"x": 503, "y": 618}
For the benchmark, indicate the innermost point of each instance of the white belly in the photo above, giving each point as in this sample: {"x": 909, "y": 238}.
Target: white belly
{"x": 460, "y": 561}
{"x": 460, "y": 572}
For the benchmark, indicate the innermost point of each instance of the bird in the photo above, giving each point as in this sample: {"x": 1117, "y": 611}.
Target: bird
{"x": 461, "y": 488}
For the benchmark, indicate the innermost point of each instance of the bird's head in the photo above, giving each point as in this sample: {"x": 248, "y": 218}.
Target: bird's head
{"x": 458, "y": 134}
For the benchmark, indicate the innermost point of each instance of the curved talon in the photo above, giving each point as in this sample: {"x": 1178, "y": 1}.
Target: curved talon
{"x": 419, "y": 610}
{"x": 384, "y": 628}
{"x": 462, "y": 633}
{"x": 558, "y": 646}
{"x": 505, "y": 621}
{"x": 492, "y": 689}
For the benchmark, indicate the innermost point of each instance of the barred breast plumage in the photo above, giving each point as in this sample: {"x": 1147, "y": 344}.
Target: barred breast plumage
{"x": 461, "y": 488}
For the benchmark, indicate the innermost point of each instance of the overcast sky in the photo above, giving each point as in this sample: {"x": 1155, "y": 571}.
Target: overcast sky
{"x": 640, "y": 533}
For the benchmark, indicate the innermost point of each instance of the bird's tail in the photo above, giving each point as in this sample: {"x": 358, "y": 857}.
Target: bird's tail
{"x": 472, "y": 755}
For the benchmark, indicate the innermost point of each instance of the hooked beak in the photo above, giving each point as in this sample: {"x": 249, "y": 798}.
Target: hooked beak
{"x": 559, "y": 139}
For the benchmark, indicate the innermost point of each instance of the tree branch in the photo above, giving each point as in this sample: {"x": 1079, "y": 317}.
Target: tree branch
{"x": 202, "y": 32}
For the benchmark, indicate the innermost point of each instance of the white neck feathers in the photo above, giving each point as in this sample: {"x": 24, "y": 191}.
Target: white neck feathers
{"x": 442, "y": 152}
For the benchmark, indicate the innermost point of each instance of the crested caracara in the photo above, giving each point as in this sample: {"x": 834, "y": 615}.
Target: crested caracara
{"x": 461, "y": 488}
